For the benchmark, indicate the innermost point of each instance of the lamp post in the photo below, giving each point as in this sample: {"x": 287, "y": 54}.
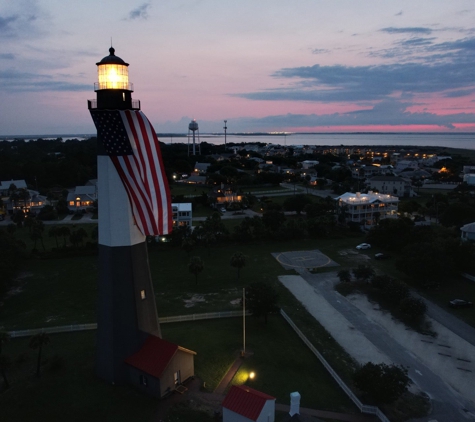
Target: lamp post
{"x": 126, "y": 310}
{"x": 78, "y": 203}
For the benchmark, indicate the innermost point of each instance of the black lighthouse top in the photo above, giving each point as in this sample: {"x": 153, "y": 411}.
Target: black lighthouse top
{"x": 112, "y": 59}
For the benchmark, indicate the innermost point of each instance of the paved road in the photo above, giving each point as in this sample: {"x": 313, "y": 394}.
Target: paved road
{"x": 448, "y": 405}
{"x": 449, "y": 321}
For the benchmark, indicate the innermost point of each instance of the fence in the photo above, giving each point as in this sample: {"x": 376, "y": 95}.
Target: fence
{"x": 468, "y": 276}
{"x": 93, "y": 326}
{"x": 228, "y": 314}
{"x": 363, "y": 408}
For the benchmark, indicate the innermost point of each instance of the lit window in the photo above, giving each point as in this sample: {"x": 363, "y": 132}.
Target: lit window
{"x": 142, "y": 294}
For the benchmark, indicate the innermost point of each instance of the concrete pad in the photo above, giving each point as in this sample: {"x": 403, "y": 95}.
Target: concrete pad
{"x": 304, "y": 259}
{"x": 353, "y": 341}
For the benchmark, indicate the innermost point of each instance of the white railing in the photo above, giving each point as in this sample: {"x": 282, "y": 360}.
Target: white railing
{"x": 93, "y": 326}
{"x": 363, "y": 407}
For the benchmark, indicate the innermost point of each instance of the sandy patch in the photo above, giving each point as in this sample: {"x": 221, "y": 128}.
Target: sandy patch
{"x": 193, "y": 300}
{"x": 354, "y": 342}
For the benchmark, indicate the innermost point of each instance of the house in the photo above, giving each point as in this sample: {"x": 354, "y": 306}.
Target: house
{"x": 160, "y": 367}
{"x": 367, "y": 209}
{"x": 182, "y": 214}
{"x": 364, "y": 171}
{"x": 82, "y": 198}
{"x": 391, "y": 184}
{"x": 307, "y": 164}
{"x": 244, "y": 404}
{"x": 5, "y": 186}
{"x": 200, "y": 169}
{"x": 224, "y": 195}
{"x": 468, "y": 232}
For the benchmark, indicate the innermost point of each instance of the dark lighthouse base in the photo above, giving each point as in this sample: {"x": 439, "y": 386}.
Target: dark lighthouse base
{"x": 127, "y": 312}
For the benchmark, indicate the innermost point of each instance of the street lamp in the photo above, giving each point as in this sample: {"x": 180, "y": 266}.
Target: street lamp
{"x": 78, "y": 203}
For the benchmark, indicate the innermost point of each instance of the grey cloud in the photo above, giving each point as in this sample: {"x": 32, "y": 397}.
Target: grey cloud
{"x": 15, "y": 81}
{"x": 418, "y": 30}
{"x": 6, "y": 27}
{"x": 385, "y": 113}
{"x": 7, "y": 56}
{"x": 320, "y": 51}
{"x": 445, "y": 68}
{"x": 411, "y": 42}
{"x": 140, "y": 12}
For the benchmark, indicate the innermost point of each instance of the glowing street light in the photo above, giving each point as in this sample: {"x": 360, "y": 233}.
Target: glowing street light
{"x": 252, "y": 375}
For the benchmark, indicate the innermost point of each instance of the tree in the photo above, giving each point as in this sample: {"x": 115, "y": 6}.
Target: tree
{"x": 238, "y": 260}
{"x": 188, "y": 244}
{"x": 54, "y": 232}
{"x": 65, "y": 233}
{"x": 195, "y": 266}
{"x": 363, "y": 272}
{"x": 383, "y": 383}
{"x": 5, "y": 363}
{"x": 413, "y": 308}
{"x": 344, "y": 276}
{"x": 457, "y": 215}
{"x": 297, "y": 203}
{"x": 261, "y": 299}
{"x": 4, "y": 338}
{"x": 37, "y": 342}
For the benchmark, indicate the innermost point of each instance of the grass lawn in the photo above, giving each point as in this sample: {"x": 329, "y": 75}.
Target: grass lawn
{"x": 72, "y": 391}
{"x": 280, "y": 362}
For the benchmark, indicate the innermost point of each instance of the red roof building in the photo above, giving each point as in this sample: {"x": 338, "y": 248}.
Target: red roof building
{"x": 160, "y": 366}
{"x": 244, "y": 404}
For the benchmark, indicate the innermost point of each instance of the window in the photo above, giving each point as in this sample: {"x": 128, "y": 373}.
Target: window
{"x": 143, "y": 380}
{"x": 176, "y": 377}
{"x": 142, "y": 294}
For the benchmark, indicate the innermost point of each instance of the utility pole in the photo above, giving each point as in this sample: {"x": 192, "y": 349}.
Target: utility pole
{"x": 225, "y": 128}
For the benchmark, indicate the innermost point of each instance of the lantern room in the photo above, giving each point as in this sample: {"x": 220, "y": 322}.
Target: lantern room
{"x": 114, "y": 91}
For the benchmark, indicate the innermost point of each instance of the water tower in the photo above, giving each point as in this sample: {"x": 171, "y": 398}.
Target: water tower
{"x": 193, "y": 128}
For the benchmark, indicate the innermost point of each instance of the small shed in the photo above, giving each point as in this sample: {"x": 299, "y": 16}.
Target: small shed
{"x": 244, "y": 404}
{"x": 160, "y": 367}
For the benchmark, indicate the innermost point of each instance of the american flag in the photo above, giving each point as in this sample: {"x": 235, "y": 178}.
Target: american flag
{"x": 132, "y": 144}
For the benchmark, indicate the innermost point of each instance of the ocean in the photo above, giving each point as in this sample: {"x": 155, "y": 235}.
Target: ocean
{"x": 459, "y": 140}
{"x": 450, "y": 140}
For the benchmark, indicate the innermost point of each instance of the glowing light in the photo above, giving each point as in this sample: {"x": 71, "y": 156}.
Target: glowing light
{"x": 113, "y": 76}
{"x": 252, "y": 375}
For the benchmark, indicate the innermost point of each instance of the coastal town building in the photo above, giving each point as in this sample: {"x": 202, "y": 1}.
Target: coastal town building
{"x": 367, "y": 209}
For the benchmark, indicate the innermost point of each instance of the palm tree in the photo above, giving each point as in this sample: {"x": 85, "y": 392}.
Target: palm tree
{"x": 5, "y": 363}
{"x": 37, "y": 342}
{"x": 238, "y": 260}
{"x": 65, "y": 232}
{"x": 4, "y": 338}
{"x": 54, "y": 232}
{"x": 195, "y": 266}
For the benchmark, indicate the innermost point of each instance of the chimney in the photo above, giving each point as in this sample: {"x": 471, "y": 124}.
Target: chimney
{"x": 294, "y": 403}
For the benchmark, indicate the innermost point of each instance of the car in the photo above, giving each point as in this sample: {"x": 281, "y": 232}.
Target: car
{"x": 364, "y": 246}
{"x": 381, "y": 256}
{"x": 460, "y": 303}
{"x": 223, "y": 210}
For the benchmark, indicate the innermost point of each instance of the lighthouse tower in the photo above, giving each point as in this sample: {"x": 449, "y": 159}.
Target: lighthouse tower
{"x": 134, "y": 202}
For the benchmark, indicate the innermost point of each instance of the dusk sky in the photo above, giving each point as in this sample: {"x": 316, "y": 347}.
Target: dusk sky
{"x": 263, "y": 65}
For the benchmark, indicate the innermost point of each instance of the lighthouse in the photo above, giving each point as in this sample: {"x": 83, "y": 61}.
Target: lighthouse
{"x": 134, "y": 201}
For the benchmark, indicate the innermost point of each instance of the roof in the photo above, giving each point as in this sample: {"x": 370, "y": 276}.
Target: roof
{"x": 366, "y": 198}
{"x": 5, "y": 184}
{"x": 86, "y": 190}
{"x": 246, "y": 401}
{"x": 387, "y": 179}
{"x": 185, "y": 206}
{"x": 469, "y": 228}
{"x": 154, "y": 356}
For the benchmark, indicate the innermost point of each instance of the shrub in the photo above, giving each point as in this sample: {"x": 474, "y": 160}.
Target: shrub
{"x": 395, "y": 291}
{"x": 383, "y": 383}
{"x": 412, "y": 308}
{"x": 363, "y": 272}
{"x": 344, "y": 276}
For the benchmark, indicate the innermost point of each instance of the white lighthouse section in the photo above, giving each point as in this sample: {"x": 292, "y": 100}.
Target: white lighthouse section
{"x": 116, "y": 222}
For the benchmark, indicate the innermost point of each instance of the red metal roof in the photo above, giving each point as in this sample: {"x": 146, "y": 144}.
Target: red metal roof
{"x": 246, "y": 401}
{"x": 154, "y": 356}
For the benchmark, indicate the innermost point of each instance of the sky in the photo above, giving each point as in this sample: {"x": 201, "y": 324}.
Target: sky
{"x": 262, "y": 65}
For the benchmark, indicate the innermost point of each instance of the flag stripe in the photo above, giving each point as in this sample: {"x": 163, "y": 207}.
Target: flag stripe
{"x": 132, "y": 144}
